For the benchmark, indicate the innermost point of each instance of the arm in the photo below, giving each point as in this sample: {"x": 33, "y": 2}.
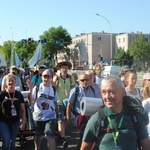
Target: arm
{"x": 86, "y": 146}
{"x": 145, "y": 144}
{"x": 56, "y": 108}
{"x": 23, "y": 116}
{"x": 68, "y": 112}
{"x": 3, "y": 87}
{"x": 30, "y": 86}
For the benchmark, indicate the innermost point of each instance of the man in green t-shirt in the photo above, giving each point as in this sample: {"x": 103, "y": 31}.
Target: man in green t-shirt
{"x": 63, "y": 82}
{"x": 117, "y": 116}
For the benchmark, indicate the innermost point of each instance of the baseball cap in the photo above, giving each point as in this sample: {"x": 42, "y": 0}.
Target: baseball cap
{"x": 42, "y": 67}
{"x": 46, "y": 72}
{"x": 147, "y": 76}
{"x": 13, "y": 67}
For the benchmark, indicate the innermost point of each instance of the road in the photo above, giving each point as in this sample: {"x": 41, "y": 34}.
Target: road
{"x": 71, "y": 136}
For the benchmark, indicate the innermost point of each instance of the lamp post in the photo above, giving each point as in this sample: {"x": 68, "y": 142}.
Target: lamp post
{"x": 110, "y": 35}
{"x": 12, "y": 49}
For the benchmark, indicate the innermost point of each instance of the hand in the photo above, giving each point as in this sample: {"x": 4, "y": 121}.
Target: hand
{"x": 68, "y": 121}
{"x": 22, "y": 125}
{"x": 29, "y": 84}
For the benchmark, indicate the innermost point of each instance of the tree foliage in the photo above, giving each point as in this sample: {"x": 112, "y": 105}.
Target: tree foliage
{"x": 51, "y": 49}
{"x": 140, "y": 49}
{"x": 22, "y": 49}
{"x": 123, "y": 58}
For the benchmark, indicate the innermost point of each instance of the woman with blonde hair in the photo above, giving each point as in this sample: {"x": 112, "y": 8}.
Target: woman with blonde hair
{"x": 91, "y": 82}
{"x": 146, "y": 98}
{"x": 12, "y": 109}
{"x": 130, "y": 80}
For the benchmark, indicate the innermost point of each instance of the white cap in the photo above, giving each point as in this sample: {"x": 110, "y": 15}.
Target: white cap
{"x": 146, "y": 76}
{"x": 46, "y": 72}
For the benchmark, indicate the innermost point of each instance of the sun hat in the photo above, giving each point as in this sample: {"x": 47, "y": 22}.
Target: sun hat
{"x": 64, "y": 63}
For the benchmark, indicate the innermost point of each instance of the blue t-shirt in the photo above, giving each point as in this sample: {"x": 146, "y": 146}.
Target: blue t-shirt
{"x": 36, "y": 80}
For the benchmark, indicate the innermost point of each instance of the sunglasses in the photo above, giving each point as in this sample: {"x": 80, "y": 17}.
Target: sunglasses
{"x": 82, "y": 80}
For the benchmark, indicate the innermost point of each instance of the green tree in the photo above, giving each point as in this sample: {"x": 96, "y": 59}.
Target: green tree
{"x": 140, "y": 50}
{"x": 51, "y": 49}
{"x": 6, "y": 48}
{"x": 22, "y": 49}
{"x": 123, "y": 58}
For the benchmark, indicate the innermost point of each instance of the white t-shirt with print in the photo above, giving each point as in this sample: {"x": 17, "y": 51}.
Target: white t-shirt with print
{"x": 44, "y": 107}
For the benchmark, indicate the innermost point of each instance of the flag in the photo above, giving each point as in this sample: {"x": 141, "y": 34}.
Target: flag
{"x": 36, "y": 57}
{"x": 17, "y": 60}
{"x": 2, "y": 62}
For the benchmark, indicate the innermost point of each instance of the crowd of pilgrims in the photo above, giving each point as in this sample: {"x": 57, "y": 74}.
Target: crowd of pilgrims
{"x": 16, "y": 79}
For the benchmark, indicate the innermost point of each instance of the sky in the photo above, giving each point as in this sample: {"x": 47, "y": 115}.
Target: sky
{"x": 22, "y": 19}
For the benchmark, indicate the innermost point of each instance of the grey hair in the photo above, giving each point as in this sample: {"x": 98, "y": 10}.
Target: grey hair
{"x": 115, "y": 79}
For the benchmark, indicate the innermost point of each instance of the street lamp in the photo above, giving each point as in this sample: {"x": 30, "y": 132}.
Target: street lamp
{"x": 110, "y": 34}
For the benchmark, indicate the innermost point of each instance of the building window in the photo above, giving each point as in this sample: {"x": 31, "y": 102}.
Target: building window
{"x": 123, "y": 39}
{"x": 119, "y": 40}
{"x": 133, "y": 38}
{"x": 99, "y": 39}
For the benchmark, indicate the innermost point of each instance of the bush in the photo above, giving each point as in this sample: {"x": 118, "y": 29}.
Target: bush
{"x": 143, "y": 71}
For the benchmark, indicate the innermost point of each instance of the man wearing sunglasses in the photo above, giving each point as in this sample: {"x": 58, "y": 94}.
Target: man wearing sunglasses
{"x": 84, "y": 90}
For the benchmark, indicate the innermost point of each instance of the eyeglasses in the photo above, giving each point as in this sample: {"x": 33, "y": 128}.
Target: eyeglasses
{"x": 84, "y": 80}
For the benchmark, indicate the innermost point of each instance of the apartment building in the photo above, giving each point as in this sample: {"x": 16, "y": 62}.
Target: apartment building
{"x": 124, "y": 40}
{"x": 88, "y": 48}
{"x": 93, "y": 47}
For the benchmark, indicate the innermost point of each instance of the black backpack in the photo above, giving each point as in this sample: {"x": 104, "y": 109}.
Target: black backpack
{"x": 134, "y": 106}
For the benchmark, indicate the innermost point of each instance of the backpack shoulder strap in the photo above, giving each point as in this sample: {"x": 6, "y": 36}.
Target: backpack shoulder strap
{"x": 70, "y": 77}
{"x": 101, "y": 118}
{"x": 76, "y": 96}
{"x": 92, "y": 89}
{"x": 36, "y": 79}
{"x": 135, "y": 126}
{"x": 37, "y": 89}
{"x": 54, "y": 88}
{"x": 99, "y": 127}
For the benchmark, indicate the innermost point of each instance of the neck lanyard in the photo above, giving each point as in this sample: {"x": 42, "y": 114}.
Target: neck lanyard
{"x": 115, "y": 134}
{"x": 12, "y": 99}
{"x": 49, "y": 91}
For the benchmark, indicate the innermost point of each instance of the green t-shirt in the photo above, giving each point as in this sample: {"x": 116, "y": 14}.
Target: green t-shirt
{"x": 63, "y": 89}
{"x": 127, "y": 138}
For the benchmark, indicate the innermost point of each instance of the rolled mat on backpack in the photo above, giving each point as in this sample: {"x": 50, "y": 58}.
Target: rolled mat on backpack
{"x": 90, "y": 105}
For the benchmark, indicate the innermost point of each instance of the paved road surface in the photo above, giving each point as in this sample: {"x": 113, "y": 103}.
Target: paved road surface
{"x": 71, "y": 135}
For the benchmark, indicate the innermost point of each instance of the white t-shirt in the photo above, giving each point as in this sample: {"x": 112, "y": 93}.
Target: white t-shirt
{"x": 44, "y": 107}
{"x": 138, "y": 95}
{"x": 146, "y": 105}
{"x": 98, "y": 81}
